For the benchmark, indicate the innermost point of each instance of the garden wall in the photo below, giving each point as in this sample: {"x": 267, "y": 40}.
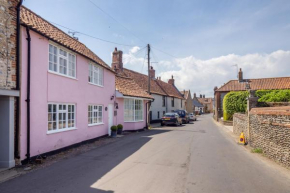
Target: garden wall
{"x": 270, "y": 131}
{"x": 240, "y": 124}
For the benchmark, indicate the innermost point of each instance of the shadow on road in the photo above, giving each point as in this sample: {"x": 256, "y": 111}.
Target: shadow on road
{"x": 79, "y": 173}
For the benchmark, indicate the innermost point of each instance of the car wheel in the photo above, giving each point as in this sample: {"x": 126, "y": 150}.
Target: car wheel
{"x": 162, "y": 124}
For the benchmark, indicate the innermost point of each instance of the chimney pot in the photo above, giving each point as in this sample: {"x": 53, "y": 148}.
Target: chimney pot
{"x": 171, "y": 81}
{"x": 240, "y": 75}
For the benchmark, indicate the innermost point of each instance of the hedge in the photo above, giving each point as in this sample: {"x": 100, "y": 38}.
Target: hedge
{"x": 234, "y": 102}
{"x": 273, "y": 95}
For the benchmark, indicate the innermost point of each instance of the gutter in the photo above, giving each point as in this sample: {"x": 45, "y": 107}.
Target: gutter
{"x": 16, "y": 148}
{"x": 28, "y": 93}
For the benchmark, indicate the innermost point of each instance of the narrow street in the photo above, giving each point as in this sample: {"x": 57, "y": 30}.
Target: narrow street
{"x": 199, "y": 157}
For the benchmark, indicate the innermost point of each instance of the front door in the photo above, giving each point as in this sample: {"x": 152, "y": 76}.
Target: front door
{"x": 110, "y": 117}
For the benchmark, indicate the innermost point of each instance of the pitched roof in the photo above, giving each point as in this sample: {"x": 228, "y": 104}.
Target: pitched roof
{"x": 257, "y": 84}
{"x": 196, "y": 103}
{"x": 142, "y": 81}
{"x": 205, "y": 100}
{"x": 40, "y": 25}
{"x": 185, "y": 93}
{"x": 170, "y": 89}
{"x": 128, "y": 87}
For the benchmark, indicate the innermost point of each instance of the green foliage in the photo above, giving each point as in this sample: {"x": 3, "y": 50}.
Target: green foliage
{"x": 273, "y": 95}
{"x": 234, "y": 102}
{"x": 257, "y": 150}
{"x": 114, "y": 128}
{"x": 120, "y": 126}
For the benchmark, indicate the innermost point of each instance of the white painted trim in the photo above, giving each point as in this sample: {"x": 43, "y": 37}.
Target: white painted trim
{"x": 67, "y": 58}
{"x": 96, "y": 84}
{"x": 56, "y": 73}
{"x": 60, "y": 130}
{"x": 96, "y": 124}
{"x": 93, "y": 124}
{"x": 4, "y": 92}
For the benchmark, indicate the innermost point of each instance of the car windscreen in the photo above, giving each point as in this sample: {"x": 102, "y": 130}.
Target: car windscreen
{"x": 169, "y": 115}
{"x": 181, "y": 113}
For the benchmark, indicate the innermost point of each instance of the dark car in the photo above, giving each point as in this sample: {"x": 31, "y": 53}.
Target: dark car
{"x": 171, "y": 118}
{"x": 183, "y": 115}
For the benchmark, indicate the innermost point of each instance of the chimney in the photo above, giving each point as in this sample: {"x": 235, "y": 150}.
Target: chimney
{"x": 203, "y": 96}
{"x": 171, "y": 81}
{"x": 117, "y": 60}
{"x": 215, "y": 88}
{"x": 200, "y": 96}
{"x": 240, "y": 76}
{"x": 194, "y": 95}
{"x": 152, "y": 73}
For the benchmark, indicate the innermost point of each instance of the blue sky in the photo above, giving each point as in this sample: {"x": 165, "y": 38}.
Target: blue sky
{"x": 216, "y": 34}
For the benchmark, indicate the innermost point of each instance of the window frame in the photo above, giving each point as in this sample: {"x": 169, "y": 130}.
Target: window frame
{"x": 134, "y": 110}
{"x": 67, "y": 58}
{"x": 92, "y": 71}
{"x": 163, "y": 101}
{"x": 58, "y": 111}
{"x": 93, "y": 112}
{"x": 172, "y": 102}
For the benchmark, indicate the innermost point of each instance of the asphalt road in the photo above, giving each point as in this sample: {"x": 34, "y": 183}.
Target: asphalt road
{"x": 200, "y": 157}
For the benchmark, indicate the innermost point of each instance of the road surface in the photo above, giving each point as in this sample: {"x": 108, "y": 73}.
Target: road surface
{"x": 200, "y": 157}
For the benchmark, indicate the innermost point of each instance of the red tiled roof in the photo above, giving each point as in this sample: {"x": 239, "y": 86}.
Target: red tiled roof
{"x": 40, "y": 25}
{"x": 128, "y": 87}
{"x": 170, "y": 89}
{"x": 205, "y": 100}
{"x": 142, "y": 81}
{"x": 257, "y": 84}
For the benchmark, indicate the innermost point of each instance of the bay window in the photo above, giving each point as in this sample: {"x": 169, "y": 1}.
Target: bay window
{"x": 61, "y": 117}
{"x": 95, "y": 114}
{"x": 133, "y": 110}
{"x": 62, "y": 61}
{"x": 96, "y": 74}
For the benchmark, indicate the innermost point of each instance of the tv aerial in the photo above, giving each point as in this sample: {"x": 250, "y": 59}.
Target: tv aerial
{"x": 73, "y": 33}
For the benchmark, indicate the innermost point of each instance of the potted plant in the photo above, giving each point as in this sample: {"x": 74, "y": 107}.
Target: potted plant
{"x": 114, "y": 131}
{"x": 120, "y": 129}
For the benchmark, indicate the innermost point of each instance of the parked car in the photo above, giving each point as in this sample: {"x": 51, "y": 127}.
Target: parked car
{"x": 183, "y": 115}
{"x": 192, "y": 116}
{"x": 171, "y": 118}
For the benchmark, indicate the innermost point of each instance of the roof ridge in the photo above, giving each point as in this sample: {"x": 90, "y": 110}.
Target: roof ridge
{"x": 97, "y": 59}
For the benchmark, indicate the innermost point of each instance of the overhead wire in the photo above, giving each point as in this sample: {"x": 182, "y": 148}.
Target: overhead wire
{"x": 116, "y": 43}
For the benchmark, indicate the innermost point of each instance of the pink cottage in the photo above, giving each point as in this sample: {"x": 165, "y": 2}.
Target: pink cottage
{"x": 67, "y": 92}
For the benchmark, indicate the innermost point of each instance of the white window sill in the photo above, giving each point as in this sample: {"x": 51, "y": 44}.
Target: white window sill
{"x": 133, "y": 121}
{"x": 56, "y": 73}
{"x": 60, "y": 130}
{"x": 95, "y": 124}
{"x": 96, "y": 84}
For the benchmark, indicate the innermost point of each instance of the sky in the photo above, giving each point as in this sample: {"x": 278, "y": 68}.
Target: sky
{"x": 201, "y": 43}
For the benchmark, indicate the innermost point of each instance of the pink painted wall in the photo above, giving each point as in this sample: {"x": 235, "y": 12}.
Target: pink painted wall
{"x": 119, "y": 119}
{"x": 47, "y": 87}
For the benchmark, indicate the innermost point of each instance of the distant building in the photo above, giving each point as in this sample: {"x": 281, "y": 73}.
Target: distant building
{"x": 188, "y": 101}
{"x": 276, "y": 83}
{"x": 197, "y": 106}
{"x": 207, "y": 103}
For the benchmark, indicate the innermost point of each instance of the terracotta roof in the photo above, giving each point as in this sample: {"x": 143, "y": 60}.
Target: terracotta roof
{"x": 128, "y": 87}
{"x": 257, "y": 84}
{"x": 170, "y": 89}
{"x": 40, "y": 25}
{"x": 205, "y": 100}
{"x": 142, "y": 81}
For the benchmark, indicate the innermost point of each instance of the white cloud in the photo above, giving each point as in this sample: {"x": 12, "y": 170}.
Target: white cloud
{"x": 134, "y": 49}
{"x": 201, "y": 76}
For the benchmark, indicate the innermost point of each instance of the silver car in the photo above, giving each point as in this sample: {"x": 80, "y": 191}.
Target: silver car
{"x": 192, "y": 117}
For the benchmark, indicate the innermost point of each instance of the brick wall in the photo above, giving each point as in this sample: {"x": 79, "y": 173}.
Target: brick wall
{"x": 8, "y": 44}
{"x": 270, "y": 131}
{"x": 240, "y": 124}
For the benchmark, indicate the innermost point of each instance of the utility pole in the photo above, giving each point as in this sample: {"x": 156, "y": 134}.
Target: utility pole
{"x": 148, "y": 50}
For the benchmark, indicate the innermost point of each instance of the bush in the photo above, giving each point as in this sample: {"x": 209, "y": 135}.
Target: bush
{"x": 273, "y": 95}
{"x": 234, "y": 102}
{"x": 114, "y": 128}
{"x": 120, "y": 126}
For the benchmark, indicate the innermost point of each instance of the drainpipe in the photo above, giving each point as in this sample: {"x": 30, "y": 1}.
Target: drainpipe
{"x": 28, "y": 93}
{"x": 16, "y": 149}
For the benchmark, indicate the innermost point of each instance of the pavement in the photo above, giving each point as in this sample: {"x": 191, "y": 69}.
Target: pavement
{"x": 200, "y": 157}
